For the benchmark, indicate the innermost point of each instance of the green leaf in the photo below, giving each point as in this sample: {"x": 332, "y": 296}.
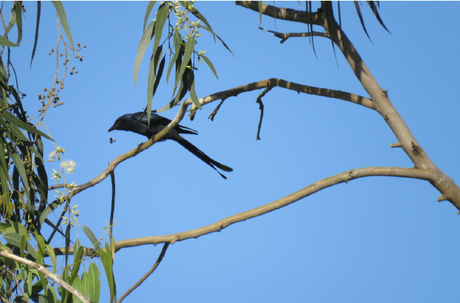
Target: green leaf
{"x": 215, "y": 35}
{"x": 157, "y": 82}
{"x": 21, "y": 124}
{"x": 16, "y": 132}
{"x": 197, "y": 14}
{"x": 177, "y": 47}
{"x": 162, "y": 15}
{"x": 106, "y": 259}
{"x": 189, "y": 47}
{"x": 19, "y": 165}
{"x": 94, "y": 282}
{"x": 194, "y": 96}
{"x": 3, "y": 169}
{"x": 147, "y": 12}
{"x": 23, "y": 245}
{"x": 76, "y": 264}
{"x": 89, "y": 233}
{"x": 45, "y": 213}
{"x": 15, "y": 19}
{"x": 52, "y": 255}
{"x": 77, "y": 284}
{"x": 211, "y": 66}
{"x": 151, "y": 79}
{"x": 141, "y": 48}
{"x": 41, "y": 249}
{"x": 18, "y": 13}
{"x": 37, "y": 26}
{"x": 15, "y": 233}
{"x": 62, "y": 16}
{"x": 6, "y": 42}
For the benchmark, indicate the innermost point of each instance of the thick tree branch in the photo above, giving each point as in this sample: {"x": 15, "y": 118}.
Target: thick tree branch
{"x": 299, "y": 88}
{"x": 305, "y": 192}
{"x": 44, "y": 271}
{"x": 325, "y": 18}
{"x": 284, "y": 13}
{"x": 449, "y": 190}
{"x": 345, "y": 177}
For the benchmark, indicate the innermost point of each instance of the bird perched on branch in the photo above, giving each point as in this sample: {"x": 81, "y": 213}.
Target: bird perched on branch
{"x": 137, "y": 123}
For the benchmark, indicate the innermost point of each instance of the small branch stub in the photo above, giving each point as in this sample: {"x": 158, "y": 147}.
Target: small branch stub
{"x": 415, "y": 148}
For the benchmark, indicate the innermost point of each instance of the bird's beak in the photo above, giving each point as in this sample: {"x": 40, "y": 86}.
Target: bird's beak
{"x": 112, "y": 128}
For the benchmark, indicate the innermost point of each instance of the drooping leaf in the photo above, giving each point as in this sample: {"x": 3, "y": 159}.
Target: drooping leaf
{"x": 147, "y": 12}
{"x": 6, "y": 42}
{"x": 177, "y": 46}
{"x": 52, "y": 255}
{"x": 89, "y": 233}
{"x": 15, "y": 121}
{"x": 142, "y": 47}
{"x": 37, "y": 26}
{"x": 162, "y": 15}
{"x": 374, "y": 9}
{"x": 45, "y": 213}
{"x": 358, "y": 10}
{"x": 189, "y": 47}
{"x": 20, "y": 241}
{"x": 211, "y": 66}
{"x": 41, "y": 249}
{"x": 194, "y": 96}
{"x": 18, "y": 13}
{"x": 106, "y": 259}
{"x": 159, "y": 74}
{"x": 19, "y": 165}
{"x": 3, "y": 169}
{"x": 63, "y": 17}
{"x": 95, "y": 282}
{"x": 217, "y": 36}
{"x": 76, "y": 263}
{"x": 151, "y": 80}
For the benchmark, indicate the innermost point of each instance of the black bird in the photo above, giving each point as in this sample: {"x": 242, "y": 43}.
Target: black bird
{"x": 137, "y": 123}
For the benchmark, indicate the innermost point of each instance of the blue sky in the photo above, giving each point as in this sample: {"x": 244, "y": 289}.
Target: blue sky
{"x": 376, "y": 239}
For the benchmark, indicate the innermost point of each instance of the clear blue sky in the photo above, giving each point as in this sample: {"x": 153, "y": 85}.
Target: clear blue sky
{"x": 376, "y": 239}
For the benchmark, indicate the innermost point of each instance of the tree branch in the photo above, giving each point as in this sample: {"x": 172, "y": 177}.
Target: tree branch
{"x": 285, "y": 36}
{"x": 415, "y": 173}
{"x": 284, "y": 13}
{"x": 449, "y": 190}
{"x": 218, "y": 96}
{"x": 380, "y": 101}
{"x": 44, "y": 271}
{"x": 299, "y": 88}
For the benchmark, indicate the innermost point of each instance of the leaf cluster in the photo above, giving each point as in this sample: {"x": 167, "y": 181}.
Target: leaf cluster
{"x": 24, "y": 201}
{"x": 180, "y": 49}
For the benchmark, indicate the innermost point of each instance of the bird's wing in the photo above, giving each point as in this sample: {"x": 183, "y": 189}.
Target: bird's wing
{"x": 160, "y": 120}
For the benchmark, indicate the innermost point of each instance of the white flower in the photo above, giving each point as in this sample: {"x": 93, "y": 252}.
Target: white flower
{"x": 69, "y": 166}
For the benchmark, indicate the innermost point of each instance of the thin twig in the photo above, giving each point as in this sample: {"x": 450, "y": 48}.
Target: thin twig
{"x": 285, "y": 36}
{"x": 147, "y": 274}
{"x": 214, "y": 112}
{"x": 261, "y": 107}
